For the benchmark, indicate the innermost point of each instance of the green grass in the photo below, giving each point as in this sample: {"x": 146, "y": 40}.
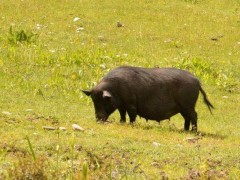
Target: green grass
{"x": 45, "y": 61}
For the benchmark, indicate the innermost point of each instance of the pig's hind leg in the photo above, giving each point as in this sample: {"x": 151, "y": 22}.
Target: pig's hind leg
{"x": 190, "y": 117}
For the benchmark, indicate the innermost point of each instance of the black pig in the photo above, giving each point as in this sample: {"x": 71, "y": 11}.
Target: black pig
{"x": 151, "y": 93}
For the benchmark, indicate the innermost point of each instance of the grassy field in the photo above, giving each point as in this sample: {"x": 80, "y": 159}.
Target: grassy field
{"x": 50, "y": 50}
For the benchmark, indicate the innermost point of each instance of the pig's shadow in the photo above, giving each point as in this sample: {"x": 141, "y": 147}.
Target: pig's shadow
{"x": 173, "y": 128}
{"x": 211, "y": 135}
{"x": 202, "y": 134}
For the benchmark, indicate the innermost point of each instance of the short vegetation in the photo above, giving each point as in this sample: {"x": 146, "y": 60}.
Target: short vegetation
{"x": 51, "y": 50}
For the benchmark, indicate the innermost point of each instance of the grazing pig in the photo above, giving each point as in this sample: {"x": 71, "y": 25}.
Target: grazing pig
{"x": 151, "y": 93}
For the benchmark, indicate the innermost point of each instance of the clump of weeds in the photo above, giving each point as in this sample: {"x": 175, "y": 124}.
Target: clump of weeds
{"x": 27, "y": 168}
{"x": 21, "y": 36}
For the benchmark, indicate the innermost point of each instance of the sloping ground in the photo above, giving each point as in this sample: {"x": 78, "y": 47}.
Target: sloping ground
{"x": 52, "y": 50}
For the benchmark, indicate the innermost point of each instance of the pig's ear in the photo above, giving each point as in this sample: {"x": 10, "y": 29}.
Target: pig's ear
{"x": 87, "y": 92}
{"x": 106, "y": 94}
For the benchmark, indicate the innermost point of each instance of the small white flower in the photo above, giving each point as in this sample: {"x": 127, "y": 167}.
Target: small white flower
{"x": 52, "y": 51}
{"x": 39, "y": 26}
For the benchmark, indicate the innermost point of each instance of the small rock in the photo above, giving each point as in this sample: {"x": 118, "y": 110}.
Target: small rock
{"x": 119, "y": 24}
{"x": 167, "y": 40}
{"x": 103, "y": 66}
{"x": 62, "y": 128}
{"x": 49, "y": 128}
{"x": 77, "y": 127}
{"x": 214, "y": 39}
{"x": 192, "y": 139}
{"x": 6, "y": 113}
{"x": 156, "y": 144}
{"x": 76, "y": 19}
{"x": 29, "y": 110}
{"x": 80, "y": 29}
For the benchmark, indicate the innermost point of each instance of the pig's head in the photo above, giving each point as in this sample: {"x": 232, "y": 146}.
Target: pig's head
{"x": 104, "y": 103}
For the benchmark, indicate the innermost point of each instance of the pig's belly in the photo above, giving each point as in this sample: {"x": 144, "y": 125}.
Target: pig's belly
{"x": 158, "y": 111}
